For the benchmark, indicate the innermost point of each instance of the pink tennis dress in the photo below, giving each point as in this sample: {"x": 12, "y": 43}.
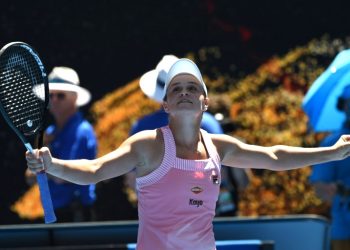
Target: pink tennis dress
{"x": 177, "y": 201}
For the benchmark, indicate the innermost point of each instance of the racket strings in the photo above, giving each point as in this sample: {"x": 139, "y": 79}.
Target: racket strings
{"x": 22, "y": 91}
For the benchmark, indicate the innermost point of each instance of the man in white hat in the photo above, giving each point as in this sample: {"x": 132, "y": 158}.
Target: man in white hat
{"x": 178, "y": 166}
{"x": 70, "y": 137}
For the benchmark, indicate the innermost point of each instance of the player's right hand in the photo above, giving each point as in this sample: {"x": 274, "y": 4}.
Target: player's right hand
{"x": 40, "y": 160}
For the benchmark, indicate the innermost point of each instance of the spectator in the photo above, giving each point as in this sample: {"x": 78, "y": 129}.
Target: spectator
{"x": 70, "y": 137}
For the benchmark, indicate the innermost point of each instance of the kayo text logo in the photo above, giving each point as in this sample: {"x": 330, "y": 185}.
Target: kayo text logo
{"x": 196, "y": 203}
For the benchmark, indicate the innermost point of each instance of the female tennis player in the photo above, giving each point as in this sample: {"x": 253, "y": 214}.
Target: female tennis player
{"x": 178, "y": 166}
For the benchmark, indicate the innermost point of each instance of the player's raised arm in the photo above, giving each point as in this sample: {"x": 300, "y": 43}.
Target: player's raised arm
{"x": 131, "y": 154}
{"x": 279, "y": 157}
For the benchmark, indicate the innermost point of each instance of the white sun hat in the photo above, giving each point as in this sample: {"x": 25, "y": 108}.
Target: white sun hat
{"x": 67, "y": 79}
{"x": 152, "y": 82}
{"x": 184, "y": 66}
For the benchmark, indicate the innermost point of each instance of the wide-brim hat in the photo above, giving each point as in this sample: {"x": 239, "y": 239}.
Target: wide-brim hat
{"x": 152, "y": 82}
{"x": 67, "y": 79}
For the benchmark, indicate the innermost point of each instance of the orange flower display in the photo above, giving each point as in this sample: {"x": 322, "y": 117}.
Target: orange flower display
{"x": 29, "y": 205}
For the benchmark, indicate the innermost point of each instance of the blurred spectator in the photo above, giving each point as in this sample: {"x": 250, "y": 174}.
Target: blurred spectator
{"x": 332, "y": 182}
{"x": 70, "y": 137}
{"x": 234, "y": 181}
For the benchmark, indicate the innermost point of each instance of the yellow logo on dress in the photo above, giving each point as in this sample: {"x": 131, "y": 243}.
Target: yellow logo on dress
{"x": 196, "y": 190}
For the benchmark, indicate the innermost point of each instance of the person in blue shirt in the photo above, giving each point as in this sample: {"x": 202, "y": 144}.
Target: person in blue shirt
{"x": 152, "y": 85}
{"x": 70, "y": 137}
{"x": 332, "y": 182}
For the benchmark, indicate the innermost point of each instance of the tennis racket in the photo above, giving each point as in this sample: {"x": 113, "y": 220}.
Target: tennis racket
{"x": 24, "y": 95}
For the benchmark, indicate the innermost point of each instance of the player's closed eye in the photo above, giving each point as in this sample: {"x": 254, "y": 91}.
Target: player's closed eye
{"x": 176, "y": 89}
{"x": 192, "y": 88}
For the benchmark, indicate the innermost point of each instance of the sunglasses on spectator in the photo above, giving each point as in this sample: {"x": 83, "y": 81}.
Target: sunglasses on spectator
{"x": 58, "y": 95}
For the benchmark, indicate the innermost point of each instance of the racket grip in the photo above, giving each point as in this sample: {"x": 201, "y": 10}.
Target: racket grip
{"x": 45, "y": 197}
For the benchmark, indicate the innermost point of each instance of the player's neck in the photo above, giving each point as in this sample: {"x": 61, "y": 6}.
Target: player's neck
{"x": 185, "y": 130}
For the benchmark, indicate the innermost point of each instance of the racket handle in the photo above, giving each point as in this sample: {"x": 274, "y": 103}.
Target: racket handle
{"x": 45, "y": 197}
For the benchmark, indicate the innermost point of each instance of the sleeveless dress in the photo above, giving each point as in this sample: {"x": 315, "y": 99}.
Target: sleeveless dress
{"x": 176, "y": 202}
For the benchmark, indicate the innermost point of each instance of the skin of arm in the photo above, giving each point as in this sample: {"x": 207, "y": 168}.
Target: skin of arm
{"x": 143, "y": 151}
{"x": 135, "y": 152}
{"x": 236, "y": 153}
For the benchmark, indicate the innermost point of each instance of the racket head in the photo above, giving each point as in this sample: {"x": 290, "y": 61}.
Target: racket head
{"x": 24, "y": 99}
{"x": 24, "y": 89}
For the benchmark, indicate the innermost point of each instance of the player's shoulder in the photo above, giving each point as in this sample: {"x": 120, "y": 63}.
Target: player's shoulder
{"x": 147, "y": 137}
{"x": 223, "y": 141}
{"x": 147, "y": 142}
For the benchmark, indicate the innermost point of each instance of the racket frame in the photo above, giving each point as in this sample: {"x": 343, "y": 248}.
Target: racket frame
{"x": 38, "y": 131}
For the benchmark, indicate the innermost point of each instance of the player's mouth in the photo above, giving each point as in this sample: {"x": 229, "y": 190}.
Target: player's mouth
{"x": 184, "y": 101}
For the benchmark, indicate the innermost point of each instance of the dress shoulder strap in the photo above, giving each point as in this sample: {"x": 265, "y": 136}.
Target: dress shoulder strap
{"x": 169, "y": 146}
{"x": 210, "y": 146}
{"x": 167, "y": 162}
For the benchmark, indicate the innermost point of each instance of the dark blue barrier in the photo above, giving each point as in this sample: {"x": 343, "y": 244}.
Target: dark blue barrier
{"x": 290, "y": 232}
{"x": 244, "y": 245}
{"x": 233, "y": 245}
{"x": 302, "y": 232}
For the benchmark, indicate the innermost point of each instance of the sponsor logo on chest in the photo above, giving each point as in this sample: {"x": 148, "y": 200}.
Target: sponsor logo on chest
{"x": 196, "y": 190}
{"x": 194, "y": 202}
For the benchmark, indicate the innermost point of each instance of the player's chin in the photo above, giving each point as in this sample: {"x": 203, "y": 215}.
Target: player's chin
{"x": 188, "y": 111}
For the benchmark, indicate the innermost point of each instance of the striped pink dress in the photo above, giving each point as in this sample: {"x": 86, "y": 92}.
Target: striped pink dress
{"x": 177, "y": 200}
